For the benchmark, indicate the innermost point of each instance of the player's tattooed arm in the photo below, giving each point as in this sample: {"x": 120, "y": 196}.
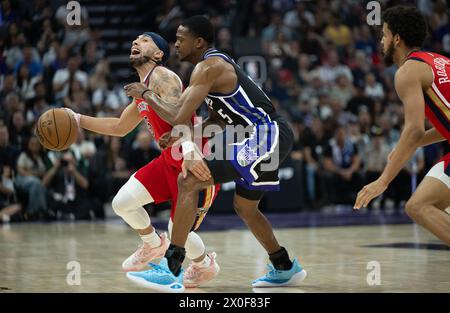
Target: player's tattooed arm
{"x": 202, "y": 79}
{"x": 163, "y": 93}
{"x": 166, "y": 90}
{"x": 176, "y": 113}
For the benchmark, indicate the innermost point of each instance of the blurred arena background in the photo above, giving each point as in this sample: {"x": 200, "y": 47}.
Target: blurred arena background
{"x": 319, "y": 62}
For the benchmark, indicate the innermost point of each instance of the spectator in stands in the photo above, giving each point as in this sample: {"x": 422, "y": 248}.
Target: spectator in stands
{"x": 48, "y": 36}
{"x": 8, "y": 153}
{"x": 357, "y": 136}
{"x": 167, "y": 16}
{"x": 224, "y": 41}
{"x": 144, "y": 151}
{"x": 341, "y": 162}
{"x": 109, "y": 168}
{"x": 298, "y": 17}
{"x": 14, "y": 43}
{"x": 444, "y": 34}
{"x": 373, "y": 88}
{"x": 360, "y": 67}
{"x": 376, "y": 155}
{"x": 77, "y": 98}
{"x": 364, "y": 120}
{"x": 76, "y": 36}
{"x": 111, "y": 98}
{"x": 7, "y": 13}
{"x": 31, "y": 168}
{"x": 298, "y": 128}
{"x": 25, "y": 82}
{"x": 31, "y": 60}
{"x": 62, "y": 81}
{"x": 338, "y": 33}
{"x": 366, "y": 41}
{"x": 8, "y": 157}
{"x": 38, "y": 104}
{"x": 274, "y": 29}
{"x": 304, "y": 74}
{"x": 40, "y": 14}
{"x": 9, "y": 85}
{"x": 91, "y": 57}
{"x": 337, "y": 112}
{"x": 19, "y": 131}
{"x": 8, "y": 204}
{"x": 68, "y": 184}
{"x": 391, "y": 134}
{"x": 331, "y": 69}
{"x": 98, "y": 80}
{"x": 61, "y": 58}
{"x": 312, "y": 44}
{"x": 50, "y": 56}
{"x": 342, "y": 90}
{"x": 439, "y": 16}
{"x": 315, "y": 144}
{"x": 323, "y": 108}
{"x": 360, "y": 101}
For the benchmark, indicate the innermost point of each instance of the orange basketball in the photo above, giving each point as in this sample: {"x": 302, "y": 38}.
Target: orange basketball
{"x": 57, "y": 129}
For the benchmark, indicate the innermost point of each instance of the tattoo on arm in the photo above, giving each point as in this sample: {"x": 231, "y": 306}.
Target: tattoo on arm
{"x": 165, "y": 95}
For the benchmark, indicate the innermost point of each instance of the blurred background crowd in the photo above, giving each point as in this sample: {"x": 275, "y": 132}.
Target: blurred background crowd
{"x": 324, "y": 74}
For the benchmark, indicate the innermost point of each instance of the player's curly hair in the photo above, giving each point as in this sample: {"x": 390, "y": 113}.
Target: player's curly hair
{"x": 408, "y": 22}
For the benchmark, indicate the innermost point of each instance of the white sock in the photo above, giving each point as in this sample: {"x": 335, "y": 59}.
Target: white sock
{"x": 205, "y": 262}
{"x": 152, "y": 239}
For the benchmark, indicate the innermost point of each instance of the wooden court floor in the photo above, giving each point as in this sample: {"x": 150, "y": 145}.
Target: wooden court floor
{"x": 35, "y": 258}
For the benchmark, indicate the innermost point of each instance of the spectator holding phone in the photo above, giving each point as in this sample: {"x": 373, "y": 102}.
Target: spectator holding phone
{"x": 68, "y": 184}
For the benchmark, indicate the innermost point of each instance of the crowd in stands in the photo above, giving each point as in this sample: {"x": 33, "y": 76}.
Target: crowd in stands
{"x": 325, "y": 75}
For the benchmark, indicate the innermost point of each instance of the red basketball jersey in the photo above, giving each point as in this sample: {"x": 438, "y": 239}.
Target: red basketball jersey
{"x": 437, "y": 97}
{"x": 157, "y": 126}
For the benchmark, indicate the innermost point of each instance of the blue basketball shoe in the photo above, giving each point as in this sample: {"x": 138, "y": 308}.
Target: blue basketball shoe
{"x": 276, "y": 278}
{"x": 159, "y": 278}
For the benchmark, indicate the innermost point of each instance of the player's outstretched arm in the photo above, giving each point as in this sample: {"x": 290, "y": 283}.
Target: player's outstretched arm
{"x": 409, "y": 89}
{"x": 163, "y": 95}
{"x": 112, "y": 126}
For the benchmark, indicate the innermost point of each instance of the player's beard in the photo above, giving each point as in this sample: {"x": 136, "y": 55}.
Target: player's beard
{"x": 388, "y": 57}
{"x": 136, "y": 62}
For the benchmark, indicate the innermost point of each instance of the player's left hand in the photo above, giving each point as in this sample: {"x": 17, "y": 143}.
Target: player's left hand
{"x": 135, "y": 90}
{"x": 195, "y": 164}
{"x": 368, "y": 193}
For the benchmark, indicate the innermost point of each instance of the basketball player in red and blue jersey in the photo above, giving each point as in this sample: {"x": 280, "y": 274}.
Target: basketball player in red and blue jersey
{"x": 156, "y": 181}
{"x": 249, "y": 152}
{"x": 423, "y": 84}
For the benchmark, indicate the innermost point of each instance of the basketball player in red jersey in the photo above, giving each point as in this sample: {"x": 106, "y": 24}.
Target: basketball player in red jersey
{"x": 422, "y": 83}
{"x": 156, "y": 181}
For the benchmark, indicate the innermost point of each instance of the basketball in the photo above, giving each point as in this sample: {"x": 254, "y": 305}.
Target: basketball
{"x": 56, "y": 129}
